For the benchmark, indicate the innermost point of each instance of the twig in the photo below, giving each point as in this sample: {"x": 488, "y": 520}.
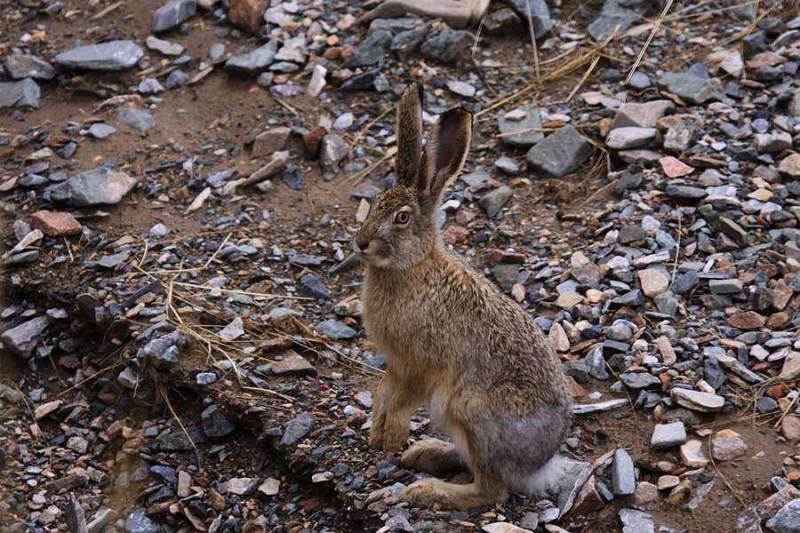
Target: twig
{"x": 724, "y": 479}
{"x": 163, "y": 392}
{"x": 656, "y": 26}
{"x": 533, "y": 42}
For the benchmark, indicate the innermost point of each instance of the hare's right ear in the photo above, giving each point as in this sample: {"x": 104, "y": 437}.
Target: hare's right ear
{"x": 409, "y": 136}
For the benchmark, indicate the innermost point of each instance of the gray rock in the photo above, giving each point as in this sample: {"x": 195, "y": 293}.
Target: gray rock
{"x": 587, "y": 409}
{"x": 787, "y": 519}
{"x": 99, "y": 130}
{"x": 25, "y": 93}
{"x": 215, "y": 423}
{"x": 216, "y": 51}
{"x": 396, "y": 25}
{"x": 698, "y": 401}
{"x": 693, "y": 89}
{"x": 139, "y": 120}
{"x": 168, "y": 48}
{"x": 297, "y": 428}
{"x": 23, "y": 338}
{"x": 241, "y": 486}
{"x": 794, "y": 105}
{"x": 21, "y": 66}
{"x": 630, "y": 137}
{"x": 507, "y": 166}
{"x": 596, "y": 363}
{"x": 101, "y": 519}
{"x": 335, "y": 330}
{"x": 640, "y": 81}
{"x": 668, "y": 435}
{"x": 634, "y": 521}
{"x": 641, "y": 115}
{"x": 162, "y": 352}
{"x": 640, "y": 380}
{"x": 525, "y": 120}
{"x": 172, "y": 14}
{"x": 255, "y": 62}
{"x": 372, "y": 48}
{"x": 535, "y": 10}
{"x": 176, "y": 79}
{"x": 314, "y": 286}
{"x": 623, "y": 476}
{"x": 773, "y": 143}
{"x": 725, "y": 286}
{"x": 765, "y": 404}
{"x": 447, "y": 45}
{"x": 138, "y": 522}
{"x": 99, "y": 186}
{"x": 611, "y": 16}
{"x": 685, "y": 192}
{"x": 493, "y": 202}
{"x": 406, "y": 42}
{"x": 128, "y": 378}
{"x": 150, "y": 86}
{"x": 111, "y": 55}
{"x": 332, "y": 151}
{"x": 560, "y": 153}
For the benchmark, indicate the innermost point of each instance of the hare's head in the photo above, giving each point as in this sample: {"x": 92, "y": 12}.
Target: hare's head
{"x": 401, "y": 230}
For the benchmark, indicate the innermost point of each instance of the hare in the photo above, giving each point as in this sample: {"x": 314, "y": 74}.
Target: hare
{"x": 490, "y": 378}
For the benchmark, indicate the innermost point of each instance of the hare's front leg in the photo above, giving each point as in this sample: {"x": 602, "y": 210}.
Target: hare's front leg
{"x": 379, "y": 412}
{"x": 406, "y": 395}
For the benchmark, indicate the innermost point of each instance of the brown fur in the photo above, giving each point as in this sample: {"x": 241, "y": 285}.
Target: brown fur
{"x": 489, "y": 376}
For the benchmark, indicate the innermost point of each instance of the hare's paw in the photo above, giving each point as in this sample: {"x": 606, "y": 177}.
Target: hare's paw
{"x": 432, "y": 455}
{"x": 424, "y": 493}
{"x": 376, "y": 436}
{"x": 395, "y": 437}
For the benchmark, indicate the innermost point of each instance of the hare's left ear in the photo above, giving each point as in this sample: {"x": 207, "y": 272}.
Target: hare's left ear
{"x": 446, "y": 151}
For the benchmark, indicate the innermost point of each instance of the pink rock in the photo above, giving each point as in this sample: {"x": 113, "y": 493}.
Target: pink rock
{"x": 56, "y": 223}
{"x": 674, "y": 168}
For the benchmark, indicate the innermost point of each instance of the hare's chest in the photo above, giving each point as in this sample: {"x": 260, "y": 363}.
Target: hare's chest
{"x": 395, "y": 321}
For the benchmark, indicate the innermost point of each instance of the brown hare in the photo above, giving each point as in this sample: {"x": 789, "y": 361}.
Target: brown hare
{"x": 488, "y": 375}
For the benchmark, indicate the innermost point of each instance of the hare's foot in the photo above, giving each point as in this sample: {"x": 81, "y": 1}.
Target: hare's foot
{"x": 433, "y": 456}
{"x": 430, "y": 491}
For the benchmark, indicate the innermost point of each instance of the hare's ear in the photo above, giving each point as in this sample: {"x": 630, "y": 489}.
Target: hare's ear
{"x": 409, "y": 135}
{"x": 447, "y": 150}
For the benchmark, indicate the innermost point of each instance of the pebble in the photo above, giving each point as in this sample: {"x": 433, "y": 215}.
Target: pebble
{"x": 107, "y": 56}
{"x": 560, "y": 153}
{"x": 623, "y": 476}
{"x": 668, "y": 435}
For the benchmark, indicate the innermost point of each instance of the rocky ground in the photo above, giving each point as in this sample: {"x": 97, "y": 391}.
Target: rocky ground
{"x": 180, "y": 325}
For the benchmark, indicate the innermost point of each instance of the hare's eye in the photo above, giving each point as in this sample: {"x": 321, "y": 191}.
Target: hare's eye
{"x": 401, "y": 218}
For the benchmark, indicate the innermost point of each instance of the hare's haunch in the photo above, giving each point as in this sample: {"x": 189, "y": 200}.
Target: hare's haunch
{"x": 490, "y": 379}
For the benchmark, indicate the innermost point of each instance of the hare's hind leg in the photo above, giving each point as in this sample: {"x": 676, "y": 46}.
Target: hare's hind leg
{"x": 433, "y": 456}
{"x": 430, "y": 491}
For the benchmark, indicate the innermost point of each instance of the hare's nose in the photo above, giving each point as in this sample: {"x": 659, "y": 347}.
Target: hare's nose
{"x": 360, "y": 244}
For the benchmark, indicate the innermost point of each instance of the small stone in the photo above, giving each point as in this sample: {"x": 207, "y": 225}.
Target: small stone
{"x": 139, "y": 120}
{"x": 176, "y": 79}
{"x": 99, "y": 130}
{"x": 520, "y": 128}
{"x": 270, "y": 141}
{"x": 293, "y": 363}
{"x": 791, "y": 367}
{"x": 666, "y": 350}
{"x": 790, "y": 427}
{"x": 641, "y": 115}
{"x": 21, "y": 66}
{"x": 461, "y": 88}
{"x": 747, "y": 320}
{"x": 674, "y": 168}
{"x": 668, "y": 435}
{"x": 22, "y": 339}
{"x": 247, "y": 14}
{"x": 640, "y": 380}
{"x": 623, "y": 476}
{"x": 270, "y": 486}
{"x": 335, "y": 330}
{"x": 255, "y": 62}
{"x": 447, "y": 45}
{"x": 167, "y": 48}
{"x": 698, "y": 401}
{"x": 333, "y": 150}
{"x": 668, "y": 482}
{"x": 691, "y": 88}
{"x": 773, "y": 143}
{"x": 172, "y": 14}
{"x": 692, "y": 454}
{"x": 297, "y": 428}
{"x": 215, "y": 423}
{"x": 790, "y": 166}
{"x": 372, "y": 48}
{"x": 653, "y": 282}
{"x": 56, "y": 223}
{"x": 241, "y": 486}
{"x": 725, "y": 286}
{"x": 233, "y": 330}
{"x": 494, "y": 201}
{"x": 25, "y": 93}
{"x": 503, "y": 527}
{"x": 138, "y": 522}
{"x": 787, "y": 519}
{"x": 108, "y": 56}
{"x": 184, "y": 484}
{"x": 45, "y": 409}
{"x": 727, "y": 445}
{"x": 560, "y": 153}
{"x": 507, "y": 166}
{"x": 630, "y": 137}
